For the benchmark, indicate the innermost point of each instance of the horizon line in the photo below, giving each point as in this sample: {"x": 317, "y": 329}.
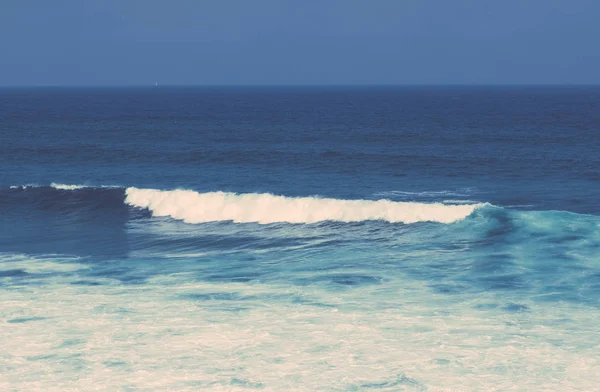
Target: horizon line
{"x": 291, "y": 85}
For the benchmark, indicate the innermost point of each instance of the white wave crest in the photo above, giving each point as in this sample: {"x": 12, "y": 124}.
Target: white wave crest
{"x": 66, "y": 187}
{"x": 22, "y": 187}
{"x": 194, "y": 207}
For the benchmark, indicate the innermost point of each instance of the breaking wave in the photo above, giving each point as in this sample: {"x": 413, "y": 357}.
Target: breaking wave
{"x": 61, "y": 187}
{"x": 194, "y": 207}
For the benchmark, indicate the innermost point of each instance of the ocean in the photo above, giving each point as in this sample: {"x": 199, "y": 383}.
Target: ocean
{"x": 300, "y": 239}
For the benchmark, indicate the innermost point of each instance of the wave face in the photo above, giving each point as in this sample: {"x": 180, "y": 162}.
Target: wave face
{"x": 194, "y": 207}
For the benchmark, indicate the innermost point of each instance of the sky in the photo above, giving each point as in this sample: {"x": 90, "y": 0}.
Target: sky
{"x": 310, "y": 42}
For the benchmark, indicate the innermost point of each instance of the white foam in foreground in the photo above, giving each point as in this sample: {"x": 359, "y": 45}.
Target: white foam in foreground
{"x": 172, "y": 334}
{"x": 194, "y": 207}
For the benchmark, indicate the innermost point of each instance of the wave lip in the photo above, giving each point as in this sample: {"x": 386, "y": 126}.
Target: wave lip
{"x": 263, "y": 208}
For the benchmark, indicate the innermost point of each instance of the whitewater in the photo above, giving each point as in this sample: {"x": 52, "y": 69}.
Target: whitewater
{"x": 194, "y": 207}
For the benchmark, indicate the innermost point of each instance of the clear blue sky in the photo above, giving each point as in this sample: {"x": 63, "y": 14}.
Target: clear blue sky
{"x": 265, "y": 42}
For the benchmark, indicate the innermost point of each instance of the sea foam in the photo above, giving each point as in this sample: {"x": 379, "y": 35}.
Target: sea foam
{"x": 194, "y": 207}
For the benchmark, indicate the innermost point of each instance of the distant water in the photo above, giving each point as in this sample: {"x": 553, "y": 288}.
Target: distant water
{"x": 300, "y": 239}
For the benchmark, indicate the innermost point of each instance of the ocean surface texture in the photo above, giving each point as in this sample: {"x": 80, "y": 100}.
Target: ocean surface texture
{"x": 300, "y": 239}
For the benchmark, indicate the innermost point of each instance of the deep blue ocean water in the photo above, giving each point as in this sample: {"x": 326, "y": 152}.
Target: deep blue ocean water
{"x": 333, "y": 239}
